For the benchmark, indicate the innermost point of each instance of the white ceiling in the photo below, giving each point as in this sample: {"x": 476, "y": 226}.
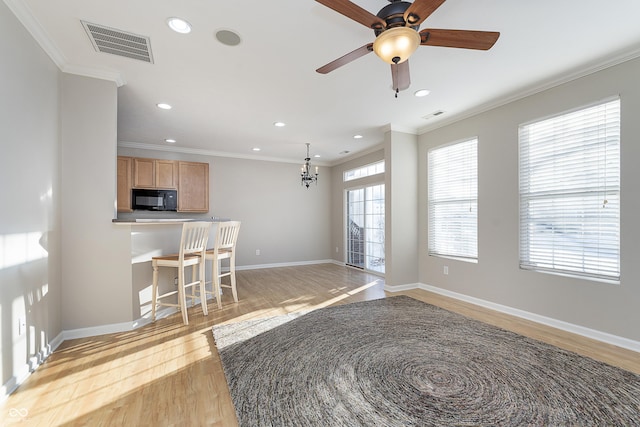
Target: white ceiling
{"x": 226, "y": 99}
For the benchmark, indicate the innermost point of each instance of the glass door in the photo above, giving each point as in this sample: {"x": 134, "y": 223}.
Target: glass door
{"x": 365, "y": 228}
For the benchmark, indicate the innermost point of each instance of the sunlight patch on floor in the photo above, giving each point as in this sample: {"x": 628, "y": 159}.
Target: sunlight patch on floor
{"x": 347, "y": 294}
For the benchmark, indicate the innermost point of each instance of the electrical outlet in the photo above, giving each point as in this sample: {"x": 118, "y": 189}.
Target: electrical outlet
{"x": 257, "y": 251}
{"x": 445, "y": 270}
{"x": 337, "y": 249}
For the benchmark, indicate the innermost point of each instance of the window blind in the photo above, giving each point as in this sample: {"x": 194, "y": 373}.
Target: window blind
{"x": 570, "y": 193}
{"x": 453, "y": 200}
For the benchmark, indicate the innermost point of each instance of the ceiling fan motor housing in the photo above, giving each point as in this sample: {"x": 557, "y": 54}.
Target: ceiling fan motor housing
{"x": 393, "y": 15}
{"x": 397, "y": 41}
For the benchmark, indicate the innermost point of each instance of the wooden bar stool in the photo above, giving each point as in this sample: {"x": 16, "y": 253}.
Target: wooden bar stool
{"x": 193, "y": 245}
{"x": 224, "y": 248}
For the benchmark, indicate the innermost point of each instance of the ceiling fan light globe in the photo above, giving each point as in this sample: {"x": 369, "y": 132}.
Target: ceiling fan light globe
{"x": 397, "y": 42}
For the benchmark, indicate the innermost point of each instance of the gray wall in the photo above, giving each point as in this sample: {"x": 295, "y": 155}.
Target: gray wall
{"x": 496, "y": 277}
{"x": 64, "y": 264}
{"x": 288, "y": 223}
{"x": 96, "y": 266}
{"x": 401, "y": 209}
{"x": 30, "y": 284}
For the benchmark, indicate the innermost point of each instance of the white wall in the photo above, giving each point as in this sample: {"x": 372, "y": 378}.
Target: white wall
{"x": 96, "y": 262}
{"x": 401, "y": 207}
{"x": 496, "y": 277}
{"x": 29, "y": 206}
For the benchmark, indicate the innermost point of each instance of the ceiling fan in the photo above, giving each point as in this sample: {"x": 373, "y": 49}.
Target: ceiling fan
{"x": 396, "y": 28}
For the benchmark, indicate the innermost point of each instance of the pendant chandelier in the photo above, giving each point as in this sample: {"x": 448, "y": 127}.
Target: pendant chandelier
{"x": 306, "y": 176}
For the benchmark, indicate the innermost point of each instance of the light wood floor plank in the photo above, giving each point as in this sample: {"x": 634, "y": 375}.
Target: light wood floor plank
{"x": 168, "y": 374}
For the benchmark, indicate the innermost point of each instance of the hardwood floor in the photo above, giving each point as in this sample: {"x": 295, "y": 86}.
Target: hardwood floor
{"x": 168, "y": 374}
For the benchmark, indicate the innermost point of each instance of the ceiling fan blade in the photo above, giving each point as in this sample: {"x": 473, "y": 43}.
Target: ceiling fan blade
{"x": 465, "y": 39}
{"x": 355, "y": 12}
{"x": 343, "y": 60}
{"x": 420, "y": 10}
{"x": 401, "y": 79}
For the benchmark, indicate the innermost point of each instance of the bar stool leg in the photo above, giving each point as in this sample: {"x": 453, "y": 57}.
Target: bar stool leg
{"x": 154, "y": 291}
{"x": 182, "y": 299}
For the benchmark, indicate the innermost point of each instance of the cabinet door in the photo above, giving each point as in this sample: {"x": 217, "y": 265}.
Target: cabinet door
{"x": 123, "y": 201}
{"x": 143, "y": 173}
{"x": 193, "y": 187}
{"x": 166, "y": 174}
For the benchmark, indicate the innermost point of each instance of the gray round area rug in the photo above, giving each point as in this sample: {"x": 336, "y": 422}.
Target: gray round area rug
{"x": 401, "y": 362}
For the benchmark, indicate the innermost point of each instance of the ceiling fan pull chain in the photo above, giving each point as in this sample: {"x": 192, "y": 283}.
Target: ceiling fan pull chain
{"x": 396, "y": 60}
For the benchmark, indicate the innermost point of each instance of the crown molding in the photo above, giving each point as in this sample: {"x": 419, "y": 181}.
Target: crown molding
{"x": 611, "y": 61}
{"x": 96, "y": 73}
{"x": 201, "y": 152}
{"x": 396, "y": 128}
{"x": 356, "y": 155}
{"x": 26, "y": 18}
{"x": 21, "y": 10}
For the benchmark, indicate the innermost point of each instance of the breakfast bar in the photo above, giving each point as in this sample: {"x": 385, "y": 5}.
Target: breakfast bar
{"x": 154, "y": 237}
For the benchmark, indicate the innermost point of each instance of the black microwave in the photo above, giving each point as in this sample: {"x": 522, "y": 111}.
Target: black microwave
{"x": 154, "y": 200}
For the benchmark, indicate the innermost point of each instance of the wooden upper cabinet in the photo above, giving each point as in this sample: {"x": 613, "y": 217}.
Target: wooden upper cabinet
{"x": 153, "y": 173}
{"x": 124, "y": 168}
{"x": 144, "y": 173}
{"x": 191, "y": 179}
{"x": 193, "y": 187}
{"x": 166, "y": 174}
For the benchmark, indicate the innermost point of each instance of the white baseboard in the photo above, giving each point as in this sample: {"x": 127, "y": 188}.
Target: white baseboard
{"x": 287, "y": 264}
{"x": 97, "y": 330}
{"x": 25, "y": 370}
{"x": 35, "y": 361}
{"x": 146, "y": 319}
{"x": 554, "y": 323}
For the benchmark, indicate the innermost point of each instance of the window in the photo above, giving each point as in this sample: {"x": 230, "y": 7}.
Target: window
{"x": 570, "y": 193}
{"x": 361, "y": 172}
{"x": 453, "y": 200}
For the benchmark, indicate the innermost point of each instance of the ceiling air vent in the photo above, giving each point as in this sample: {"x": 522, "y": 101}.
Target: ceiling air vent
{"x": 116, "y": 42}
{"x": 434, "y": 114}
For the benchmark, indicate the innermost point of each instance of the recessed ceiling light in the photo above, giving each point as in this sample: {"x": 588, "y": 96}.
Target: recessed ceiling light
{"x": 357, "y": 136}
{"x": 279, "y": 124}
{"x": 228, "y": 37}
{"x": 316, "y": 155}
{"x": 422, "y": 92}
{"x": 170, "y": 140}
{"x": 179, "y": 25}
{"x": 164, "y": 106}
{"x": 256, "y": 148}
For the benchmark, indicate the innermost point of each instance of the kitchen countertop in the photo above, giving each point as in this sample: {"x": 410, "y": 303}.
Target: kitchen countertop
{"x": 151, "y": 221}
